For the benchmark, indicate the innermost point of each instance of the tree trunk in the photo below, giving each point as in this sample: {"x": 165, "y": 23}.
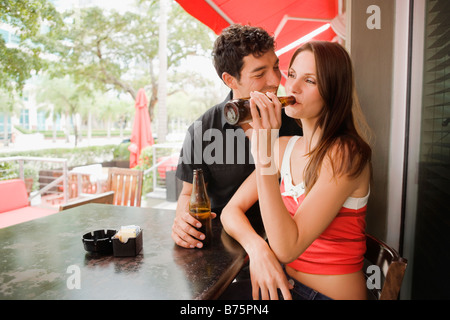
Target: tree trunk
{"x": 67, "y": 128}
{"x": 53, "y": 124}
{"x": 89, "y": 133}
{"x": 162, "y": 83}
{"x": 5, "y": 129}
{"x": 108, "y": 133}
{"x": 75, "y": 128}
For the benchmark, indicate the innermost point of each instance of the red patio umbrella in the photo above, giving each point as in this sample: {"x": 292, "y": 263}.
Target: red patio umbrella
{"x": 287, "y": 20}
{"x": 141, "y": 136}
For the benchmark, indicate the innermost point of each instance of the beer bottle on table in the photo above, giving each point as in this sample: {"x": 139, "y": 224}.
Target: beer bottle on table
{"x": 200, "y": 206}
{"x": 237, "y": 111}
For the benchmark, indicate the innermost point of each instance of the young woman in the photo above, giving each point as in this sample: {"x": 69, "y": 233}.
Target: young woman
{"x": 315, "y": 218}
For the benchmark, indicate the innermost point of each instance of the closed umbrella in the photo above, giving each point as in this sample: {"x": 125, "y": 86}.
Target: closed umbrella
{"x": 141, "y": 136}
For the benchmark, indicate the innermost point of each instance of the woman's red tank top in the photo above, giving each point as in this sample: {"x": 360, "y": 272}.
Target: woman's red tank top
{"x": 340, "y": 248}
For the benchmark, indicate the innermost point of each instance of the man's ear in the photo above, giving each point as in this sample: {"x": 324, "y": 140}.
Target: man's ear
{"x": 229, "y": 80}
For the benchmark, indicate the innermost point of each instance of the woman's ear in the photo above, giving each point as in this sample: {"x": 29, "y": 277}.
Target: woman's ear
{"x": 229, "y": 80}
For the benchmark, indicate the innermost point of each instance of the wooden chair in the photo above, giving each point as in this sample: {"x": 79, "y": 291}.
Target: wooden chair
{"x": 77, "y": 180}
{"x": 391, "y": 265}
{"x": 127, "y": 186}
{"x": 106, "y": 198}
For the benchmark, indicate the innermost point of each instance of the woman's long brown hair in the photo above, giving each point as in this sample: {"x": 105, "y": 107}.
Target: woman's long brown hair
{"x": 341, "y": 131}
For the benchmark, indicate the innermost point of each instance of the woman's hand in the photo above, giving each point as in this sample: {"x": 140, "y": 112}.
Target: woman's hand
{"x": 267, "y": 275}
{"x": 266, "y": 114}
{"x": 269, "y": 116}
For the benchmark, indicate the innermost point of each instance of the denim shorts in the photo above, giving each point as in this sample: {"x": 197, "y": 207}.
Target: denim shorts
{"x": 242, "y": 290}
{"x": 302, "y": 292}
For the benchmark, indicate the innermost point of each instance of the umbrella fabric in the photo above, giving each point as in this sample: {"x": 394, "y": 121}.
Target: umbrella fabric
{"x": 141, "y": 136}
{"x": 287, "y": 20}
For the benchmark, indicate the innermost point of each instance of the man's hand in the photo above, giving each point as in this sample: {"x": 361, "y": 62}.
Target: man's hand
{"x": 184, "y": 231}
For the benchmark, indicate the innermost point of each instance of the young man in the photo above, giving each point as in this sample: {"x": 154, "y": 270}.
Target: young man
{"x": 244, "y": 58}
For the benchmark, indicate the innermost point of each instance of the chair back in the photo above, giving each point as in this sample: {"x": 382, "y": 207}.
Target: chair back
{"x": 105, "y": 198}
{"x": 391, "y": 266}
{"x": 127, "y": 186}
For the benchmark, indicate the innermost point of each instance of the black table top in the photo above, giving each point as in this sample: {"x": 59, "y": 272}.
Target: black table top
{"x": 45, "y": 259}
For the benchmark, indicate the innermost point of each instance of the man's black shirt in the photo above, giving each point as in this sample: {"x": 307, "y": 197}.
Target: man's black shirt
{"x": 223, "y": 152}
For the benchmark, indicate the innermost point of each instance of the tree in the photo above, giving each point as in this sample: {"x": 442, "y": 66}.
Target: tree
{"x": 119, "y": 51}
{"x": 8, "y": 106}
{"x": 66, "y": 99}
{"x": 114, "y": 109}
{"x": 17, "y": 64}
{"x": 100, "y": 51}
{"x": 162, "y": 83}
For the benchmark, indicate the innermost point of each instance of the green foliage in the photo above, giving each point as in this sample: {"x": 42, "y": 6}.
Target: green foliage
{"x": 7, "y": 171}
{"x": 79, "y": 156}
{"x": 61, "y": 134}
{"x": 113, "y": 50}
{"x": 27, "y": 16}
{"x": 10, "y": 170}
{"x": 98, "y": 56}
{"x": 145, "y": 162}
{"x": 31, "y": 173}
{"x": 121, "y": 152}
{"x": 22, "y": 130}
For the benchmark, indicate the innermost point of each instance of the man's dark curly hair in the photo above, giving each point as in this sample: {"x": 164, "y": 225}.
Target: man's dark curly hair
{"x": 235, "y": 43}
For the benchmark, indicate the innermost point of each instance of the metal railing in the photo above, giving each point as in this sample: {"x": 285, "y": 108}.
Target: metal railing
{"x": 51, "y": 173}
{"x": 168, "y": 150}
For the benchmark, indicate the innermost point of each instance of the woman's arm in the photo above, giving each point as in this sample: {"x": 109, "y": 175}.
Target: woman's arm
{"x": 288, "y": 237}
{"x": 266, "y": 272}
{"x": 233, "y": 217}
